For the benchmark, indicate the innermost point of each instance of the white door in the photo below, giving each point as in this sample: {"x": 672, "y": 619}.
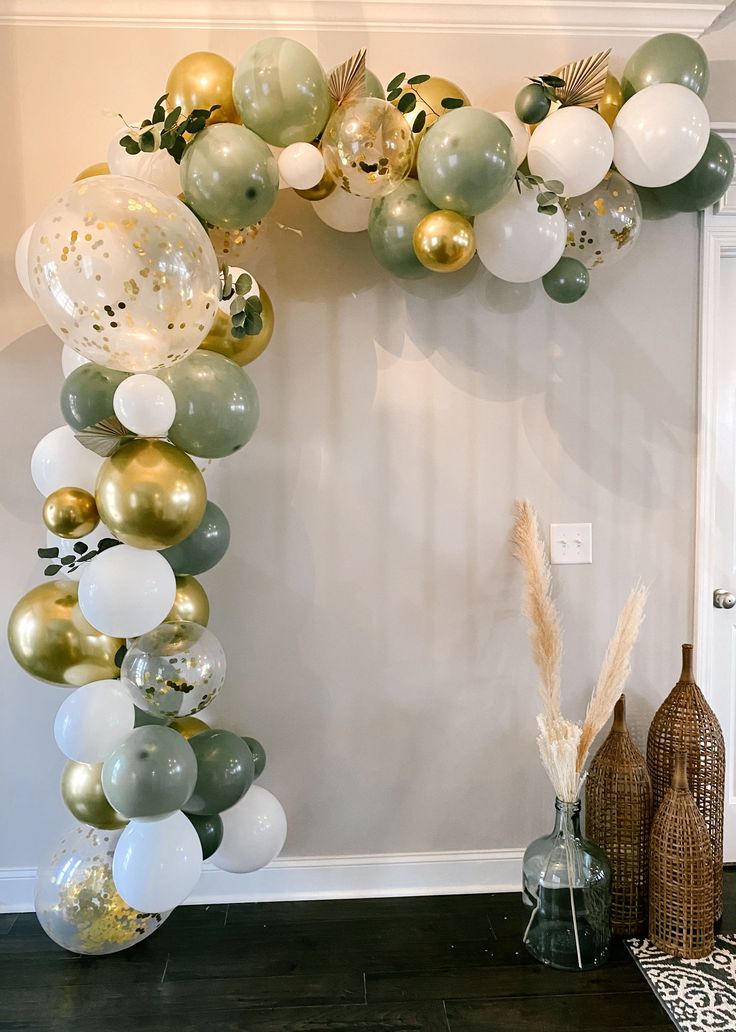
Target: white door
{"x": 715, "y": 605}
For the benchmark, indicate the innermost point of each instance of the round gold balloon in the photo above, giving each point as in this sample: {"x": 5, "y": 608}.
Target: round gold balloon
{"x": 81, "y": 790}
{"x": 612, "y": 100}
{"x": 323, "y": 189}
{"x": 200, "y": 80}
{"x": 188, "y": 727}
{"x": 150, "y": 494}
{"x": 100, "y": 168}
{"x": 430, "y": 95}
{"x": 444, "y": 241}
{"x": 51, "y": 643}
{"x": 70, "y": 512}
{"x": 191, "y": 602}
{"x": 246, "y": 349}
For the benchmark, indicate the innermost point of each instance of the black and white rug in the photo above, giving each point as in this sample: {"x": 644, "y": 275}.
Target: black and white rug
{"x": 699, "y": 995}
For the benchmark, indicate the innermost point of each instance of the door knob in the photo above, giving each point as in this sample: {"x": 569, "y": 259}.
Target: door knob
{"x": 723, "y": 599}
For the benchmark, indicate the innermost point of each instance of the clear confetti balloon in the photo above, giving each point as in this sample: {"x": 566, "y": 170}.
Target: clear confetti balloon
{"x": 367, "y": 147}
{"x": 174, "y": 670}
{"x": 603, "y": 224}
{"x": 76, "y": 901}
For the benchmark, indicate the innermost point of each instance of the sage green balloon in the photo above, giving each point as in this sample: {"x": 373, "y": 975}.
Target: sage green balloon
{"x": 259, "y": 755}
{"x": 467, "y": 161}
{"x": 280, "y": 90}
{"x": 229, "y": 176}
{"x": 216, "y": 405}
{"x": 391, "y": 226}
{"x": 87, "y": 393}
{"x": 152, "y": 772}
{"x": 707, "y": 182}
{"x": 531, "y": 104}
{"x": 567, "y": 281}
{"x": 144, "y": 719}
{"x": 225, "y": 771}
{"x": 209, "y": 829}
{"x": 373, "y": 87}
{"x": 204, "y": 547}
{"x": 670, "y": 57}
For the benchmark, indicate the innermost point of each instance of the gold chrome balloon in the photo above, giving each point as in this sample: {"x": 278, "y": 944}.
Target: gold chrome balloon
{"x": 444, "y": 241}
{"x": 246, "y": 349}
{"x": 188, "y": 727}
{"x": 323, "y": 189}
{"x": 150, "y": 494}
{"x": 430, "y": 95}
{"x": 51, "y": 643}
{"x": 81, "y": 790}
{"x": 612, "y": 100}
{"x": 200, "y": 80}
{"x": 100, "y": 168}
{"x": 191, "y": 602}
{"x": 70, "y": 512}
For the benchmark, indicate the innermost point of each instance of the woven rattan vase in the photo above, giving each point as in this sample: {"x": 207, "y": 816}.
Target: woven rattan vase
{"x": 681, "y": 914}
{"x": 686, "y": 723}
{"x": 618, "y": 818}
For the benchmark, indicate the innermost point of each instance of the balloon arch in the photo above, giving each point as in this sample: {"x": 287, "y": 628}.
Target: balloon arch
{"x": 129, "y": 267}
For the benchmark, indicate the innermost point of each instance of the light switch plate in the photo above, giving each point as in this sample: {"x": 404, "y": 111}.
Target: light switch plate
{"x": 570, "y": 543}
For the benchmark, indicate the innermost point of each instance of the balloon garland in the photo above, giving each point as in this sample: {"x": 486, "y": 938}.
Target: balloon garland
{"x": 129, "y": 267}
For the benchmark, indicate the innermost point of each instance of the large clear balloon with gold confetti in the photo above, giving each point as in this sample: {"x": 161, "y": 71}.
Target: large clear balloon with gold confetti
{"x": 367, "y": 147}
{"x": 603, "y": 224}
{"x": 124, "y": 273}
{"x": 76, "y": 901}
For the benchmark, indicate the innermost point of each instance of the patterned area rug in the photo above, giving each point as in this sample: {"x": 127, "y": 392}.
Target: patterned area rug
{"x": 699, "y": 995}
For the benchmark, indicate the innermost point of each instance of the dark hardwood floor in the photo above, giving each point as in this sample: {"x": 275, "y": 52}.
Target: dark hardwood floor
{"x": 432, "y": 964}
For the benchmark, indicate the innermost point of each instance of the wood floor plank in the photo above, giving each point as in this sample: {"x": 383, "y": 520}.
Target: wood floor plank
{"x": 594, "y": 1013}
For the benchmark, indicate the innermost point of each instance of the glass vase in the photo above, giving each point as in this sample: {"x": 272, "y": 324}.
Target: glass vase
{"x": 567, "y": 892}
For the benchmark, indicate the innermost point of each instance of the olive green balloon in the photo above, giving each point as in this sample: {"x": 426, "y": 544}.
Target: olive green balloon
{"x": 707, "y": 182}
{"x": 204, "y": 547}
{"x": 87, "y": 393}
{"x": 373, "y": 87}
{"x": 259, "y": 755}
{"x": 229, "y": 176}
{"x": 216, "y": 405}
{"x": 670, "y": 57}
{"x": 467, "y": 161}
{"x": 391, "y": 226}
{"x": 531, "y": 104}
{"x": 567, "y": 281}
{"x": 209, "y": 830}
{"x": 280, "y": 90}
{"x": 152, "y": 772}
{"x": 225, "y": 771}
{"x": 653, "y": 207}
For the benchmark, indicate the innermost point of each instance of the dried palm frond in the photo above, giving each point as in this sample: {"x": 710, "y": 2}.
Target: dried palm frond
{"x": 585, "y": 81}
{"x": 348, "y": 79}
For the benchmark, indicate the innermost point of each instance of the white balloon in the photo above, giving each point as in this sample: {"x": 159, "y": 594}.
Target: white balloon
{"x": 660, "y": 135}
{"x": 66, "y": 547}
{"x": 21, "y": 261}
{"x": 145, "y": 405}
{"x": 94, "y": 720}
{"x": 71, "y": 360}
{"x": 59, "y": 460}
{"x": 156, "y": 167}
{"x": 126, "y": 591}
{"x": 516, "y": 242}
{"x": 254, "y": 832}
{"x": 157, "y": 863}
{"x": 519, "y": 131}
{"x": 344, "y": 211}
{"x": 301, "y": 165}
{"x": 573, "y": 145}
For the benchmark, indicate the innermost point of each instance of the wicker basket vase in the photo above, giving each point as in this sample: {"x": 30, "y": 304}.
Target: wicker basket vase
{"x": 681, "y": 914}
{"x": 686, "y": 723}
{"x": 618, "y": 818}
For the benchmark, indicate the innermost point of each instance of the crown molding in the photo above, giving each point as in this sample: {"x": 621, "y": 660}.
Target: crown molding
{"x": 492, "y": 17}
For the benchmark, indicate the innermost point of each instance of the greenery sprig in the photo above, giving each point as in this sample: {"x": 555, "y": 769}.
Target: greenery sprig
{"x": 166, "y": 131}
{"x": 245, "y": 312}
{"x": 549, "y": 83}
{"x": 548, "y": 191}
{"x": 81, "y": 553}
{"x": 408, "y": 101}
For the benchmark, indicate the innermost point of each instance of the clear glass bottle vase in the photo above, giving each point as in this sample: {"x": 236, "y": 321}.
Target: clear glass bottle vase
{"x": 567, "y": 892}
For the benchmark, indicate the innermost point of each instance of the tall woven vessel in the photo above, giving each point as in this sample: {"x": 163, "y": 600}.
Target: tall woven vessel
{"x": 686, "y": 723}
{"x": 618, "y": 818}
{"x": 681, "y": 913}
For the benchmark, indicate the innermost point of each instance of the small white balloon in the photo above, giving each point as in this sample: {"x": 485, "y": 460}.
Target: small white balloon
{"x": 254, "y": 832}
{"x": 94, "y": 720}
{"x": 21, "y": 262}
{"x": 344, "y": 211}
{"x": 126, "y": 591}
{"x": 155, "y": 167}
{"x": 301, "y": 165}
{"x": 515, "y": 241}
{"x": 519, "y": 131}
{"x": 145, "y": 405}
{"x": 157, "y": 862}
{"x": 660, "y": 135}
{"x": 59, "y": 460}
{"x": 71, "y": 360}
{"x": 573, "y": 145}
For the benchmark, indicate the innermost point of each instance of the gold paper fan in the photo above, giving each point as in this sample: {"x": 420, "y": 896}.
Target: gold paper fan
{"x": 105, "y": 437}
{"x": 348, "y": 79}
{"x": 585, "y": 81}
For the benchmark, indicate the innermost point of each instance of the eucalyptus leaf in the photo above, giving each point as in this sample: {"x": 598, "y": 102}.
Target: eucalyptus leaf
{"x": 392, "y": 95}
{"x": 416, "y": 80}
{"x": 48, "y": 553}
{"x": 448, "y": 103}
{"x": 50, "y": 571}
{"x": 243, "y": 283}
{"x": 553, "y": 80}
{"x": 396, "y": 82}
{"x": 419, "y": 122}
{"x": 554, "y": 185}
{"x": 547, "y": 197}
{"x": 80, "y": 547}
{"x": 407, "y": 103}
{"x": 253, "y": 304}
{"x": 254, "y": 326}
{"x": 148, "y": 142}
{"x": 237, "y": 305}
{"x": 547, "y": 209}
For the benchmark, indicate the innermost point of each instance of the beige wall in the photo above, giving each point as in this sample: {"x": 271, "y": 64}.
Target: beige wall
{"x": 369, "y": 604}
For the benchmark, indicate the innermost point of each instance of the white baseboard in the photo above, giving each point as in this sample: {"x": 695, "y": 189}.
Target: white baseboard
{"x": 328, "y": 877}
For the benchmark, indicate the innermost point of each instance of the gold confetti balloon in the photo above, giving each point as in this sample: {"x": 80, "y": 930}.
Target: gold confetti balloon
{"x": 76, "y": 901}
{"x": 124, "y": 274}
{"x": 444, "y": 241}
{"x": 603, "y": 224}
{"x": 191, "y": 602}
{"x": 367, "y": 147}
{"x": 82, "y": 792}
{"x": 70, "y": 512}
{"x": 201, "y": 80}
{"x": 243, "y": 349}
